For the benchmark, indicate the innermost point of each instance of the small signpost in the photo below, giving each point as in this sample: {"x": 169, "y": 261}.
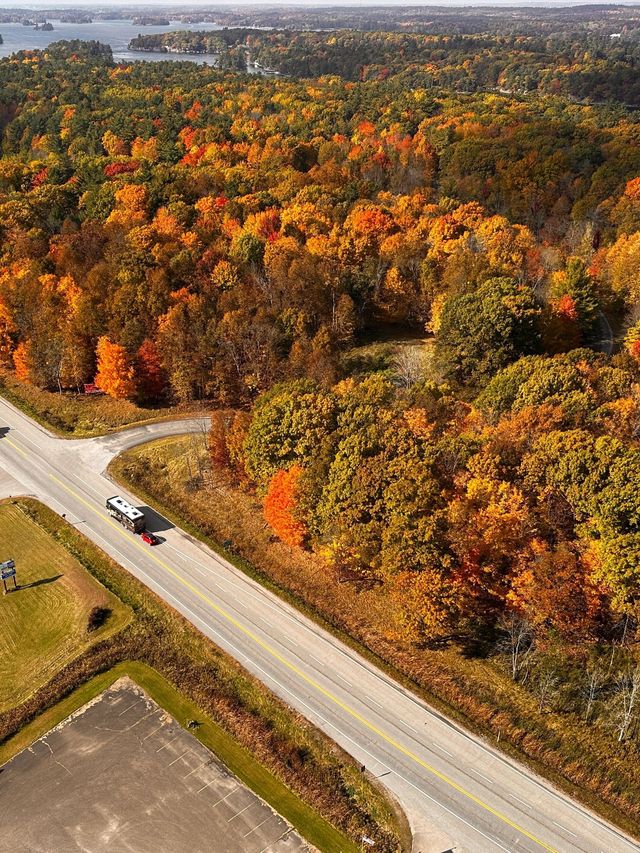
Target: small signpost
{"x": 8, "y": 571}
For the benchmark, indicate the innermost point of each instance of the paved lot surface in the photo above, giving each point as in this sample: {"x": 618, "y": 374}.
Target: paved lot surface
{"x": 120, "y": 776}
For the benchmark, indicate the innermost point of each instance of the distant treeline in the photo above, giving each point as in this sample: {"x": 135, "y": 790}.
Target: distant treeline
{"x": 593, "y": 66}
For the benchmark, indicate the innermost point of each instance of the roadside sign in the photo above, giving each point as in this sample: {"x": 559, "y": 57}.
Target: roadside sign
{"x": 8, "y": 570}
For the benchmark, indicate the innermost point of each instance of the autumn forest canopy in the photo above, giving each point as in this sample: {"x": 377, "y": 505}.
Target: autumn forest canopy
{"x": 414, "y": 311}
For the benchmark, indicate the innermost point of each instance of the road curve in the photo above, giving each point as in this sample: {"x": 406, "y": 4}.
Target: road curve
{"x": 459, "y": 793}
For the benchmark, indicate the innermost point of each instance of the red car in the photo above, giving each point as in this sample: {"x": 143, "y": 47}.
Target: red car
{"x": 150, "y": 538}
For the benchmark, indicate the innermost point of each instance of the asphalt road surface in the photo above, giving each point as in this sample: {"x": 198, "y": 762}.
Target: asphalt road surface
{"x": 459, "y": 794}
{"x": 121, "y": 776}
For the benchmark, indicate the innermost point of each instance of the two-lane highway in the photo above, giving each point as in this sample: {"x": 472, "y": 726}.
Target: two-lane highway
{"x": 459, "y": 794}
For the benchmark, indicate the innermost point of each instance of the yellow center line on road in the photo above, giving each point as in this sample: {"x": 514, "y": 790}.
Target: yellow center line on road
{"x": 15, "y": 447}
{"x": 306, "y": 678}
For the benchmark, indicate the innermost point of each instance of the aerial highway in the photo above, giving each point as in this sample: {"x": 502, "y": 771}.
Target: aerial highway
{"x": 458, "y": 792}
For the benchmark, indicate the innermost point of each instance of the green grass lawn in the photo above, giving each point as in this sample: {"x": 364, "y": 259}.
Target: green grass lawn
{"x": 44, "y": 623}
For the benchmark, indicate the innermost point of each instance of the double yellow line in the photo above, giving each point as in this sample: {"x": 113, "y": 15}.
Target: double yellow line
{"x": 298, "y": 672}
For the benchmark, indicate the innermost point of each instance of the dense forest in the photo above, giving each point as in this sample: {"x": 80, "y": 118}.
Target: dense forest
{"x": 594, "y": 66}
{"x": 177, "y": 233}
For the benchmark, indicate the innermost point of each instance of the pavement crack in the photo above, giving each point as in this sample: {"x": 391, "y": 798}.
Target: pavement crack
{"x": 59, "y": 763}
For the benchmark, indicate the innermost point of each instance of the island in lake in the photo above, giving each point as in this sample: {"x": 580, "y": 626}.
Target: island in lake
{"x": 75, "y": 18}
{"x": 151, "y": 21}
{"x": 235, "y": 50}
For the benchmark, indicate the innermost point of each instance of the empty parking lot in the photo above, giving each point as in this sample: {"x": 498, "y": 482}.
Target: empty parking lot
{"x": 121, "y": 775}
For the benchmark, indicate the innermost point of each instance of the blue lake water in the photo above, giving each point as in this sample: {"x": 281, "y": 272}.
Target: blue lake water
{"x": 118, "y": 34}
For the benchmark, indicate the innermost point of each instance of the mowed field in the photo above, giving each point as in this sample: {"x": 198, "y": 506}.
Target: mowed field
{"x": 44, "y": 624}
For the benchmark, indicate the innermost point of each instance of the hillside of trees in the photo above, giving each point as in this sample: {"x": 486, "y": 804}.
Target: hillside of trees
{"x": 173, "y": 233}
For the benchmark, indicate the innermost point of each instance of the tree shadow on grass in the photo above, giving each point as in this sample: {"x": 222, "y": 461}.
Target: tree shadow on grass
{"x": 39, "y": 582}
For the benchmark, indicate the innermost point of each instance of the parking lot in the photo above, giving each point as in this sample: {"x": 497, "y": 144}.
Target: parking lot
{"x": 120, "y": 775}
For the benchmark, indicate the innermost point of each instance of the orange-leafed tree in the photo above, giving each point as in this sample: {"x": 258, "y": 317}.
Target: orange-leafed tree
{"x": 280, "y": 504}
{"x": 562, "y": 331}
{"x": 556, "y": 591}
{"x": 115, "y": 375}
{"x": 22, "y": 361}
{"x": 7, "y": 328}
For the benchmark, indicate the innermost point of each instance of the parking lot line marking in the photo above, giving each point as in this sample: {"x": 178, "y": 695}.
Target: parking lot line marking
{"x": 286, "y": 832}
{"x": 222, "y": 799}
{"x": 175, "y": 760}
{"x": 161, "y": 726}
{"x": 258, "y": 826}
{"x": 166, "y": 744}
{"x": 130, "y": 707}
{"x": 146, "y": 717}
{"x": 240, "y": 812}
{"x": 194, "y": 770}
{"x": 210, "y": 782}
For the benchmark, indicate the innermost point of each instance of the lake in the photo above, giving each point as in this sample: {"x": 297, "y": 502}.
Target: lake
{"x": 117, "y": 34}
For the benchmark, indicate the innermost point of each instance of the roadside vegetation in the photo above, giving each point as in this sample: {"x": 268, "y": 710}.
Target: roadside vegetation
{"x": 564, "y": 725}
{"x": 45, "y": 624}
{"x": 78, "y": 415}
{"x": 304, "y": 776}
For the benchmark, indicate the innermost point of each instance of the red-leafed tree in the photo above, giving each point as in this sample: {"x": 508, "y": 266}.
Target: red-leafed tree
{"x": 151, "y": 378}
{"x": 280, "y": 505}
{"x": 218, "y": 449}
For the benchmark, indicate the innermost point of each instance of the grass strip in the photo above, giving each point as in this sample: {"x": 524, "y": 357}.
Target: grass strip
{"x": 44, "y": 623}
